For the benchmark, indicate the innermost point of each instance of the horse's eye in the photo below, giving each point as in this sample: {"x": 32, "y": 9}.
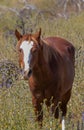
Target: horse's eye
{"x": 34, "y": 50}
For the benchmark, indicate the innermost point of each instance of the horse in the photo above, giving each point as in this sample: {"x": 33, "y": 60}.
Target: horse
{"x": 48, "y": 65}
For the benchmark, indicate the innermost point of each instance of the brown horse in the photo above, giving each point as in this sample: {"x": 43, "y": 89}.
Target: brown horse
{"x": 48, "y": 64}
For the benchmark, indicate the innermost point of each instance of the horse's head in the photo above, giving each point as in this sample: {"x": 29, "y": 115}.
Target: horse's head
{"x": 28, "y": 48}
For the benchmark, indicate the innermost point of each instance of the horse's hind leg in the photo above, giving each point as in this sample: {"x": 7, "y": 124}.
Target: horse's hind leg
{"x": 64, "y": 109}
{"x": 64, "y": 103}
{"x": 56, "y": 113}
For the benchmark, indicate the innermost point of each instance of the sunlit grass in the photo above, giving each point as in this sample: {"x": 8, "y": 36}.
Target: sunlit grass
{"x": 16, "y": 110}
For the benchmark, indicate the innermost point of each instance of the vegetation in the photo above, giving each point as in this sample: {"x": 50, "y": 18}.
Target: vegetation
{"x": 16, "y": 110}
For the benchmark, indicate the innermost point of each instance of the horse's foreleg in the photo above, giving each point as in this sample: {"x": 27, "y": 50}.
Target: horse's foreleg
{"x": 37, "y": 103}
{"x": 63, "y": 123}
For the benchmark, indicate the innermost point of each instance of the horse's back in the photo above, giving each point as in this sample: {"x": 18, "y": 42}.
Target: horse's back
{"x": 61, "y": 45}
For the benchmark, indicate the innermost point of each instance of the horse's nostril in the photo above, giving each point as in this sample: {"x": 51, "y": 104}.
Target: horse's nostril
{"x": 29, "y": 72}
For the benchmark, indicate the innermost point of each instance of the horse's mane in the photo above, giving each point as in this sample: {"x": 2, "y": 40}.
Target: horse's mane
{"x": 49, "y": 52}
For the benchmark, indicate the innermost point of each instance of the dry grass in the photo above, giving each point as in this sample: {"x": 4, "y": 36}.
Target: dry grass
{"x": 16, "y": 111}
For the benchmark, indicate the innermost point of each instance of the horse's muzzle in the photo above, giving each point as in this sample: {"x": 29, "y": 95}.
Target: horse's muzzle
{"x": 26, "y": 75}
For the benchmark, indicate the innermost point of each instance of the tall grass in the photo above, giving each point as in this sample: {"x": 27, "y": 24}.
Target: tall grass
{"x": 16, "y": 110}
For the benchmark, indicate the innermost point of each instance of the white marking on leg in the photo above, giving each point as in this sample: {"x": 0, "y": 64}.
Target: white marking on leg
{"x": 63, "y": 123}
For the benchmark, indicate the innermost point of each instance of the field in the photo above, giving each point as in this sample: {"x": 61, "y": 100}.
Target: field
{"x": 16, "y": 110}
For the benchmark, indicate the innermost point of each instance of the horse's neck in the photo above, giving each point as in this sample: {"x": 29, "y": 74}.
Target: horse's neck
{"x": 41, "y": 65}
{"x": 41, "y": 70}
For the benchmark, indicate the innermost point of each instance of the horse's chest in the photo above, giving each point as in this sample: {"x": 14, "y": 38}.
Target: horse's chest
{"x": 45, "y": 90}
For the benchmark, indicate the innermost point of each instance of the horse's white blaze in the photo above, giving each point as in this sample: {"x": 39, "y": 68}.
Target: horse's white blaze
{"x": 26, "y": 47}
{"x": 63, "y": 124}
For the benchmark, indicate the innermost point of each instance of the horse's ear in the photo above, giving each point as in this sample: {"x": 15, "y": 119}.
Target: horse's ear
{"x": 18, "y": 35}
{"x": 38, "y": 34}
